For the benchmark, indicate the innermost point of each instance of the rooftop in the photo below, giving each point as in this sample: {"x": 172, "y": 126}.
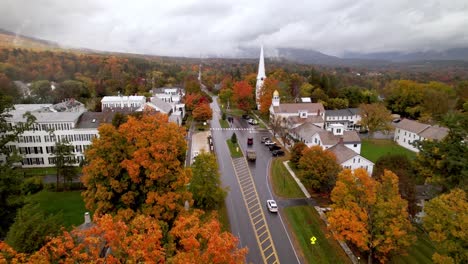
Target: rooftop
{"x": 94, "y": 119}
{"x": 294, "y": 108}
{"x": 328, "y": 138}
{"x": 411, "y": 125}
{"x": 342, "y": 112}
{"x": 342, "y": 153}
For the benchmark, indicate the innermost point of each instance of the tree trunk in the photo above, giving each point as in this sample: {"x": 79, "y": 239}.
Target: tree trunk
{"x": 369, "y": 257}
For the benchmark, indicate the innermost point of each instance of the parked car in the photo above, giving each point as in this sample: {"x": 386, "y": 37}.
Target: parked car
{"x": 264, "y": 139}
{"x": 277, "y": 153}
{"x": 269, "y": 143}
{"x": 246, "y": 117}
{"x": 274, "y": 147}
{"x": 272, "y": 206}
{"x": 249, "y": 141}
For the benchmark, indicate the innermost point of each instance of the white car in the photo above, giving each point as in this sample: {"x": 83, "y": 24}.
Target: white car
{"x": 272, "y": 207}
{"x": 269, "y": 143}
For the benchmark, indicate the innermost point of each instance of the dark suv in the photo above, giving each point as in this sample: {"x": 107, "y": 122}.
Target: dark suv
{"x": 249, "y": 141}
{"x": 274, "y": 147}
{"x": 277, "y": 153}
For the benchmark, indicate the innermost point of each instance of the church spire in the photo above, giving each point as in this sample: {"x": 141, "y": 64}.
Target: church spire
{"x": 260, "y": 77}
{"x": 261, "y": 66}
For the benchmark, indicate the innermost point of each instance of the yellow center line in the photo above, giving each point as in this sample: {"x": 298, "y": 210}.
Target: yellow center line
{"x": 252, "y": 195}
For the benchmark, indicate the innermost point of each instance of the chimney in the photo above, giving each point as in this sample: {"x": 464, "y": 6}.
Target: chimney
{"x": 318, "y": 112}
{"x": 340, "y": 141}
{"x": 87, "y": 218}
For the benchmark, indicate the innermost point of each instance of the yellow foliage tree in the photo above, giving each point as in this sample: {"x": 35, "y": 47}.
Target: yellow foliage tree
{"x": 370, "y": 214}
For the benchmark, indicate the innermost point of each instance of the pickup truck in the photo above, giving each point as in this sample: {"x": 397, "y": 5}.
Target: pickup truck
{"x": 251, "y": 155}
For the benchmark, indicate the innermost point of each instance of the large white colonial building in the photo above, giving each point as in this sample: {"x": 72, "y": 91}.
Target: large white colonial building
{"x": 408, "y": 131}
{"x": 66, "y": 121}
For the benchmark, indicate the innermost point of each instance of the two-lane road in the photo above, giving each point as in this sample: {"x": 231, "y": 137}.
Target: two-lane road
{"x": 245, "y": 218}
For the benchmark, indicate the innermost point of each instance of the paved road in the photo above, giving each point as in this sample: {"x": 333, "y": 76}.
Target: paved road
{"x": 262, "y": 232}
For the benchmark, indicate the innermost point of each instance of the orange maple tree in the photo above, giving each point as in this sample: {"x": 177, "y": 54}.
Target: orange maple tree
{"x": 204, "y": 242}
{"x": 269, "y": 86}
{"x": 370, "y": 214}
{"x": 202, "y": 112}
{"x": 112, "y": 240}
{"x": 138, "y": 167}
{"x": 243, "y": 95}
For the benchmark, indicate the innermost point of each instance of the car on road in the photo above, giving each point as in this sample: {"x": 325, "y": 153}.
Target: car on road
{"x": 274, "y": 147}
{"x": 250, "y": 141}
{"x": 277, "y": 153}
{"x": 272, "y": 206}
{"x": 264, "y": 139}
{"x": 252, "y": 121}
{"x": 270, "y": 143}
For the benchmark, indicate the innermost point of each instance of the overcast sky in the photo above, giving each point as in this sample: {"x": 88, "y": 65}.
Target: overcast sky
{"x": 217, "y": 27}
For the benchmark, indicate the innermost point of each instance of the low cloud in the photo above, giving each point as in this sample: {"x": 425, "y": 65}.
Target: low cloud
{"x": 194, "y": 28}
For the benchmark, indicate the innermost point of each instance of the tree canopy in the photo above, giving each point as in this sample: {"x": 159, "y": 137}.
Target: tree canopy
{"x": 131, "y": 170}
{"x": 318, "y": 168}
{"x": 370, "y": 214}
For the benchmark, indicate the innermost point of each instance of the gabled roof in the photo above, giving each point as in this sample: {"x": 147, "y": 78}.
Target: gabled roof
{"x": 328, "y": 138}
{"x": 342, "y": 112}
{"x": 411, "y": 125}
{"x": 342, "y": 153}
{"x": 306, "y": 130}
{"x": 435, "y": 132}
{"x": 308, "y": 119}
{"x": 295, "y": 108}
{"x": 165, "y": 107}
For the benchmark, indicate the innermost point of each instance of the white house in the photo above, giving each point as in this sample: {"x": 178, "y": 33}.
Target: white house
{"x": 295, "y": 114}
{"x": 122, "y": 103}
{"x": 313, "y": 135}
{"x": 66, "y": 121}
{"x": 349, "y": 159}
{"x": 408, "y": 131}
{"x": 168, "y": 94}
{"x": 348, "y": 117}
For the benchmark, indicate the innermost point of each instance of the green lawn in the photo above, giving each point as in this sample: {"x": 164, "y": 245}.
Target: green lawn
{"x": 224, "y": 123}
{"x": 233, "y": 148}
{"x": 30, "y": 172}
{"x": 420, "y": 252}
{"x": 373, "y": 149}
{"x": 70, "y": 204}
{"x": 283, "y": 183}
{"x": 306, "y": 223}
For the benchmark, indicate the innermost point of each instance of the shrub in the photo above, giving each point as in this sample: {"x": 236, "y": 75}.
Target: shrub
{"x": 234, "y": 138}
{"x": 32, "y": 185}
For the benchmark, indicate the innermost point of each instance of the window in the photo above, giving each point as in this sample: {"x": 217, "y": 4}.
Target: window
{"x": 355, "y": 145}
{"x": 338, "y": 130}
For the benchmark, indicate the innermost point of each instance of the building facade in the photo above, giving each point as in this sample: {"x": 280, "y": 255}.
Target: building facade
{"x": 348, "y": 117}
{"x": 63, "y": 122}
{"x": 408, "y": 131}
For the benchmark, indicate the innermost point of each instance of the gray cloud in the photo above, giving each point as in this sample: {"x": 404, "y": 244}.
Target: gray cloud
{"x": 210, "y": 27}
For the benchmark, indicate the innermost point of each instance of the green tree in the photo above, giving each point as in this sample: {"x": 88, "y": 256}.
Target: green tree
{"x": 446, "y": 162}
{"x": 403, "y": 168}
{"x": 446, "y": 221}
{"x": 234, "y": 138}
{"x": 42, "y": 91}
{"x": 318, "y": 168}
{"x": 296, "y": 152}
{"x": 64, "y": 162}
{"x": 306, "y": 90}
{"x": 337, "y": 103}
{"x": 31, "y": 228}
{"x": 375, "y": 117}
{"x": 205, "y": 184}
{"x": 10, "y": 178}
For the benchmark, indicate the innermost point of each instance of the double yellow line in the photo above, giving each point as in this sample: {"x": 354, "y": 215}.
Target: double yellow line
{"x": 254, "y": 209}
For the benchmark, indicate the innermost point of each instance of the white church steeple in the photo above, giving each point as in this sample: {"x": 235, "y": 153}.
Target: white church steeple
{"x": 260, "y": 77}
